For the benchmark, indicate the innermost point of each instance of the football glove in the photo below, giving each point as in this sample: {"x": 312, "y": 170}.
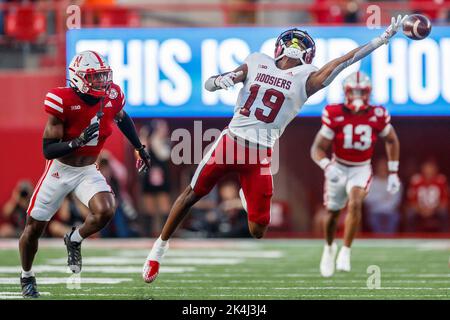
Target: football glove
{"x": 393, "y": 28}
{"x": 333, "y": 173}
{"x": 143, "y": 163}
{"x": 226, "y": 81}
{"x": 91, "y": 132}
{"x": 393, "y": 183}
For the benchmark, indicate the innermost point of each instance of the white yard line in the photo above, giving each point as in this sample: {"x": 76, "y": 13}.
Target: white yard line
{"x": 112, "y": 260}
{"x": 208, "y": 253}
{"x": 17, "y": 295}
{"x": 96, "y": 269}
{"x": 83, "y": 280}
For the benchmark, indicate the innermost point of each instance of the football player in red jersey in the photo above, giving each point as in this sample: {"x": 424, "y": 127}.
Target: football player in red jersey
{"x": 351, "y": 129}
{"x": 79, "y": 121}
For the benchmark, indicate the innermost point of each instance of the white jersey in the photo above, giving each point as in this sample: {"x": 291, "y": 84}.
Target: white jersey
{"x": 269, "y": 100}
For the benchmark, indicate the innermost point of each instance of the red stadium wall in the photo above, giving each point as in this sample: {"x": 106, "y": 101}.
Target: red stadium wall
{"x": 22, "y": 121}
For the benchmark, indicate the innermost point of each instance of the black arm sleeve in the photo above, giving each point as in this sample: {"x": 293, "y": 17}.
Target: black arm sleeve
{"x": 54, "y": 148}
{"x": 127, "y": 127}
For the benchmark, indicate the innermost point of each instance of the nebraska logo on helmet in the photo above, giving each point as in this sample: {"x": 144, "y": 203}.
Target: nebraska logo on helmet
{"x": 357, "y": 88}
{"x": 90, "y": 73}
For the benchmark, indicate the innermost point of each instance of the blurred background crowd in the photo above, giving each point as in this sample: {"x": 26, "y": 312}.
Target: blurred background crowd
{"x": 143, "y": 202}
{"x": 421, "y": 206}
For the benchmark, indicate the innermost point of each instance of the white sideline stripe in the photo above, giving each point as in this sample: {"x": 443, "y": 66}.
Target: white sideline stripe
{"x": 136, "y": 261}
{"x": 53, "y": 106}
{"x": 17, "y": 295}
{"x": 95, "y": 269}
{"x": 55, "y": 97}
{"x": 202, "y": 253}
{"x": 84, "y": 280}
{"x": 9, "y": 293}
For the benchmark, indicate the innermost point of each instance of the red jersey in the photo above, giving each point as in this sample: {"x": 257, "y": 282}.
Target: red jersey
{"x": 65, "y": 104}
{"x": 354, "y": 135}
{"x": 428, "y": 194}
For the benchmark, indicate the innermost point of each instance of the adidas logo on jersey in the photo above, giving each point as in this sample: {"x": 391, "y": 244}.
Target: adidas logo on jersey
{"x": 340, "y": 118}
{"x": 108, "y": 105}
{"x": 55, "y": 175}
{"x": 77, "y": 107}
{"x": 262, "y": 66}
{"x": 373, "y": 119}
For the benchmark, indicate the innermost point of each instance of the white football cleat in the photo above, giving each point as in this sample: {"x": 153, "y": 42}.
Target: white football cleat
{"x": 151, "y": 266}
{"x": 327, "y": 261}
{"x": 343, "y": 260}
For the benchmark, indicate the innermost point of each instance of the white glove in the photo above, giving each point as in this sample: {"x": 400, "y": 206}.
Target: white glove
{"x": 393, "y": 183}
{"x": 226, "y": 81}
{"x": 333, "y": 173}
{"x": 393, "y": 28}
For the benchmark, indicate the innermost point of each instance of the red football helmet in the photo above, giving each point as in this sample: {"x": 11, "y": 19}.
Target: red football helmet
{"x": 357, "y": 89}
{"x": 90, "y": 73}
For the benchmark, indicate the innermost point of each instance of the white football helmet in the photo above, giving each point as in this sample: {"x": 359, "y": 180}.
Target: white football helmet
{"x": 90, "y": 73}
{"x": 357, "y": 88}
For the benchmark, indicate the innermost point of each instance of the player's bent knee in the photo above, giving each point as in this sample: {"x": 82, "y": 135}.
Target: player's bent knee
{"x": 33, "y": 229}
{"x": 355, "y": 206}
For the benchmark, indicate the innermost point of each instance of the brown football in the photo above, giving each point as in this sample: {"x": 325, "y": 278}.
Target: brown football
{"x": 416, "y": 27}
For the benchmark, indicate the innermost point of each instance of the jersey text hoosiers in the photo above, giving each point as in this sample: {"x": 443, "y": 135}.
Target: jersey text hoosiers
{"x": 278, "y": 82}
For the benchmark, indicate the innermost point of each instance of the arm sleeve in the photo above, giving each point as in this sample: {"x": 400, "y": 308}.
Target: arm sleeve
{"x": 126, "y": 125}
{"x": 54, "y": 148}
{"x": 53, "y": 104}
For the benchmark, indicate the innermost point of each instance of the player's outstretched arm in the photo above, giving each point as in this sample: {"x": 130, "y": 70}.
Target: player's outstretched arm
{"x": 392, "y": 144}
{"x": 322, "y": 78}
{"x": 54, "y": 148}
{"x": 227, "y": 80}
{"x": 126, "y": 125}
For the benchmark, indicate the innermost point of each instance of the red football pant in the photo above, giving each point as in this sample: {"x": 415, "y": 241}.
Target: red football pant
{"x": 251, "y": 163}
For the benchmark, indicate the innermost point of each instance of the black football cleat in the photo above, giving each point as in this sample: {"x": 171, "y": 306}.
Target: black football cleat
{"x": 73, "y": 253}
{"x": 29, "y": 287}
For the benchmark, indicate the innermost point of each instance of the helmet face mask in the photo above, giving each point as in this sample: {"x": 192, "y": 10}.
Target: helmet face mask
{"x": 295, "y": 44}
{"x": 357, "y": 89}
{"x": 90, "y": 74}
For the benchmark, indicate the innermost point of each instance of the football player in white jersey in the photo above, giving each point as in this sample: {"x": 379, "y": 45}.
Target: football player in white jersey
{"x": 274, "y": 91}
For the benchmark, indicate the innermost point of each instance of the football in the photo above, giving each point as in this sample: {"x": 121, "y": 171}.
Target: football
{"x": 417, "y": 27}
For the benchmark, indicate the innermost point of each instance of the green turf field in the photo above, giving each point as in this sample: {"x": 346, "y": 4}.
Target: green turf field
{"x": 235, "y": 269}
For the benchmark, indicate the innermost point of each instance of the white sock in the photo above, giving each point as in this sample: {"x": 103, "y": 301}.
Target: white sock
{"x": 160, "y": 242}
{"x": 345, "y": 250}
{"x": 329, "y": 246}
{"x": 27, "y": 274}
{"x": 75, "y": 237}
{"x": 155, "y": 253}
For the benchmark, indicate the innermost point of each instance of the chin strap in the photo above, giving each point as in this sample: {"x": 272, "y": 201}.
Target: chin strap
{"x": 294, "y": 51}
